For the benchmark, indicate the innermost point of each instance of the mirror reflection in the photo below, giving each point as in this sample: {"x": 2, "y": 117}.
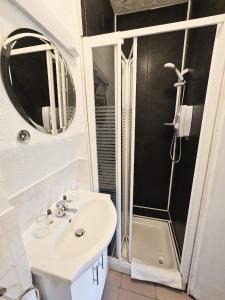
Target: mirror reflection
{"x": 38, "y": 81}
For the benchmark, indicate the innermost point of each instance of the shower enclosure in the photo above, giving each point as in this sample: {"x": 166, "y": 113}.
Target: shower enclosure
{"x": 130, "y": 145}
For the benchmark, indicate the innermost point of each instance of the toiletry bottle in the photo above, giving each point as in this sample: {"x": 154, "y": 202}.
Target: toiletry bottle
{"x": 49, "y": 216}
{"x": 74, "y": 193}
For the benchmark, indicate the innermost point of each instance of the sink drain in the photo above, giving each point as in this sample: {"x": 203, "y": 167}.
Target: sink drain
{"x": 79, "y": 232}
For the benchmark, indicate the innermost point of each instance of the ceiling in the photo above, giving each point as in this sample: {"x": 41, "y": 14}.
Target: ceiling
{"x": 128, "y": 6}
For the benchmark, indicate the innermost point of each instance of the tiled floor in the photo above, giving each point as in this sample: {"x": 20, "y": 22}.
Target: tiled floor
{"x": 122, "y": 287}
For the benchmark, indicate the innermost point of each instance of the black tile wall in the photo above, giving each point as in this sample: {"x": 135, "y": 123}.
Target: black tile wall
{"x": 153, "y": 17}
{"x": 97, "y": 17}
{"x": 155, "y": 103}
{"x": 151, "y": 213}
{"x": 205, "y": 8}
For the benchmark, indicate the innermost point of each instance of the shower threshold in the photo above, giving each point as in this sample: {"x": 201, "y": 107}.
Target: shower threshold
{"x": 153, "y": 255}
{"x": 152, "y": 243}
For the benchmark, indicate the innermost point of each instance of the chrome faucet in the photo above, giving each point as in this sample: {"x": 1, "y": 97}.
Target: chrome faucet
{"x": 62, "y": 207}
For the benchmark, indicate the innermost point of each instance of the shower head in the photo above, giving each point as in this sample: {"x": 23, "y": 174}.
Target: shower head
{"x": 172, "y": 66}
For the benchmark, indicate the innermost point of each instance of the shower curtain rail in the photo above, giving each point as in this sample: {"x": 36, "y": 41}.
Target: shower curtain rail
{"x": 116, "y": 37}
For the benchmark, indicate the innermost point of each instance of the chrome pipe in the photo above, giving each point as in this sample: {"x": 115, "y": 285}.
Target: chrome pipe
{"x": 3, "y": 292}
{"x": 32, "y": 288}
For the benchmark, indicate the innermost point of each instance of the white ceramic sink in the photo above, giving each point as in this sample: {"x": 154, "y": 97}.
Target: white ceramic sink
{"x": 62, "y": 254}
{"x": 94, "y": 218}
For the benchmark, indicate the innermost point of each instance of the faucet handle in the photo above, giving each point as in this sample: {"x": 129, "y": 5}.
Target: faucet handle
{"x": 65, "y": 200}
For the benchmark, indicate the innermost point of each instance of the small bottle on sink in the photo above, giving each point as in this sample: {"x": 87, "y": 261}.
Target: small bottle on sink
{"x": 74, "y": 193}
{"x": 49, "y": 216}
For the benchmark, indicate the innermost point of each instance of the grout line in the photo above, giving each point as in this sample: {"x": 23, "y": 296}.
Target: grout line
{"x": 120, "y": 280}
{"x": 151, "y": 208}
{"x": 149, "y": 298}
{"x": 143, "y": 282}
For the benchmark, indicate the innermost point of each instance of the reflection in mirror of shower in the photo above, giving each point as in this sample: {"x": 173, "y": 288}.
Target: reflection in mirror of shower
{"x": 103, "y": 58}
{"x": 49, "y": 88}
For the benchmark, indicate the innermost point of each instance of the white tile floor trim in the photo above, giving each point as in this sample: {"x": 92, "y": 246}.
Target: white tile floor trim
{"x": 15, "y": 272}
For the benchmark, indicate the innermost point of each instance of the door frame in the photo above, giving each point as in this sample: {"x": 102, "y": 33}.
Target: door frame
{"x": 208, "y": 122}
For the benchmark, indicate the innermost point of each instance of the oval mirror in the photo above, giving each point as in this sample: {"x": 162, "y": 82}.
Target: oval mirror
{"x": 38, "y": 81}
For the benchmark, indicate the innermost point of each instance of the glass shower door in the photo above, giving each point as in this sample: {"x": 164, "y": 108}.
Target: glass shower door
{"x": 108, "y": 132}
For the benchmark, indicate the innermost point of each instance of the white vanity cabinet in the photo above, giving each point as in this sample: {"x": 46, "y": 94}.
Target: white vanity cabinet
{"x": 89, "y": 286}
{"x": 70, "y": 266}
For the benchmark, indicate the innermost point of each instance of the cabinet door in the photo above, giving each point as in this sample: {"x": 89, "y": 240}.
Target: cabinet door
{"x": 85, "y": 287}
{"x": 90, "y": 285}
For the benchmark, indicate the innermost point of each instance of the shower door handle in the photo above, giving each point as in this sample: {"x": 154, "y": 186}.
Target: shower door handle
{"x": 169, "y": 124}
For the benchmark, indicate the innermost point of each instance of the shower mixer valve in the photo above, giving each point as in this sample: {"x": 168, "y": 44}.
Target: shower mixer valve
{"x": 182, "y": 121}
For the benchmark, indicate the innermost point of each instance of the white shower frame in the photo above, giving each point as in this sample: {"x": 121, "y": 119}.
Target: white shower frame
{"x": 213, "y": 98}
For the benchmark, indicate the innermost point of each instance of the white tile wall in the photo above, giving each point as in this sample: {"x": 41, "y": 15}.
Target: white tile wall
{"x": 9, "y": 223}
{"x": 11, "y": 281}
{"x": 27, "y": 167}
{"x": 82, "y": 174}
{"x": 22, "y": 267}
{"x": 6, "y": 260}
{"x": 15, "y": 271}
{"x": 31, "y": 201}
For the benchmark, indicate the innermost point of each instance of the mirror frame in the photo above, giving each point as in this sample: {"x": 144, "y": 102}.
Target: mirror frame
{"x": 48, "y": 46}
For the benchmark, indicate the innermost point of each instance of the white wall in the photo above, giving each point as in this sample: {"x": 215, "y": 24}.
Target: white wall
{"x": 61, "y": 20}
{"x": 207, "y": 280}
{"x": 103, "y": 58}
{"x": 34, "y": 174}
{"x": 22, "y": 164}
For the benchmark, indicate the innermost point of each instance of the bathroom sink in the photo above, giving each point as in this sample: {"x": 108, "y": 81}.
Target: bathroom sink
{"x": 94, "y": 219}
{"x": 74, "y": 243}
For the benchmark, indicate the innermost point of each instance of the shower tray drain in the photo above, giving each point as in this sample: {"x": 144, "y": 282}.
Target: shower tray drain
{"x": 160, "y": 260}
